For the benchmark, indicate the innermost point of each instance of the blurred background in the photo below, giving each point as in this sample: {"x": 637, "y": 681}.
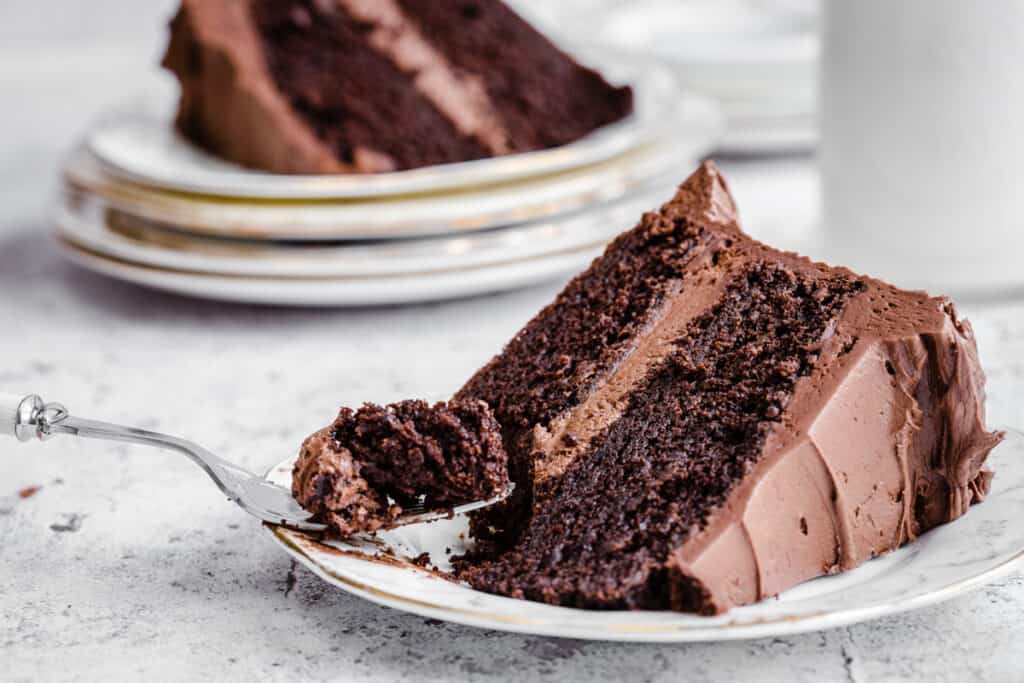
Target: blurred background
{"x": 745, "y": 75}
{"x": 918, "y": 137}
{"x": 63, "y": 64}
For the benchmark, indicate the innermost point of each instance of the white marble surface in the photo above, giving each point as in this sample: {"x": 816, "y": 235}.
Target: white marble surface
{"x": 128, "y": 563}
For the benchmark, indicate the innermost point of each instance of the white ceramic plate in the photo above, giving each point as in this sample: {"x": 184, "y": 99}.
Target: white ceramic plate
{"x": 335, "y": 292}
{"x": 139, "y": 144}
{"x": 986, "y": 543}
{"x": 134, "y": 240}
{"x": 693, "y": 134}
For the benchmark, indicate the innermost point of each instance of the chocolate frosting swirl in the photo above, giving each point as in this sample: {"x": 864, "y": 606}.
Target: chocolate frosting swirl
{"x": 884, "y": 441}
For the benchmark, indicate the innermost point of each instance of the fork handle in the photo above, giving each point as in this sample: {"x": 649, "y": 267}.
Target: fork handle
{"x": 29, "y": 417}
{"x": 20, "y": 415}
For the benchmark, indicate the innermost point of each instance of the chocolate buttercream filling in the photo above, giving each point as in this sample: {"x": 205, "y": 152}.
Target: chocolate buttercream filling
{"x": 558, "y": 444}
{"x": 568, "y": 436}
{"x": 462, "y": 98}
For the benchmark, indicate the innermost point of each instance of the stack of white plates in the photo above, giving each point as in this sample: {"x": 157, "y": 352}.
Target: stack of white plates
{"x": 141, "y": 204}
{"x": 758, "y": 57}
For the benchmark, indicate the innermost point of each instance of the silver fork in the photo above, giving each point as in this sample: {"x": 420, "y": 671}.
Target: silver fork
{"x": 28, "y": 418}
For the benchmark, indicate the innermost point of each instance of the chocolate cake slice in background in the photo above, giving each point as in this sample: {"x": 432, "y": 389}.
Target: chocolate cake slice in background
{"x": 357, "y": 474}
{"x": 340, "y": 86}
{"x": 700, "y": 421}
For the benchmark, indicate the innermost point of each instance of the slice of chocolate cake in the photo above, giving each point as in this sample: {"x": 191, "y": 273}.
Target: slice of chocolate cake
{"x": 359, "y": 473}
{"x": 341, "y": 86}
{"x": 699, "y": 421}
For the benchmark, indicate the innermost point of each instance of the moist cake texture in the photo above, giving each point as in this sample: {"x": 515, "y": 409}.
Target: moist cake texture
{"x": 357, "y": 474}
{"x": 333, "y": 86}
{"x": 700, "y": 421}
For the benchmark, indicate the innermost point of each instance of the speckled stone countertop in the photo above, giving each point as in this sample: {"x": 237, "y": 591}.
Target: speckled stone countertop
{"x": 127, "y": 563}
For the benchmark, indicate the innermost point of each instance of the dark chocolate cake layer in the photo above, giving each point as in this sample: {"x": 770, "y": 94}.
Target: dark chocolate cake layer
{"x": 527, "y": 77}
{"x": 327, "y": 86}
{"x": 323, "y": 63}
{"x": 700, "y": 421}
{"x": 577, "y": 345}
{"x": 690, "y": 431}
{"x": 357, "y": 474}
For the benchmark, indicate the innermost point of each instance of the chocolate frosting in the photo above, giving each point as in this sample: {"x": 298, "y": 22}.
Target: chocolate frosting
{"x": 228, "y": 100}
{"x": 883, "y": 441}
{"x": 327, "y": 482}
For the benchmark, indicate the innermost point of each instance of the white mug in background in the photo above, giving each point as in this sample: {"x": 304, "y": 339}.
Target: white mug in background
{"x": 922, "y": 151}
